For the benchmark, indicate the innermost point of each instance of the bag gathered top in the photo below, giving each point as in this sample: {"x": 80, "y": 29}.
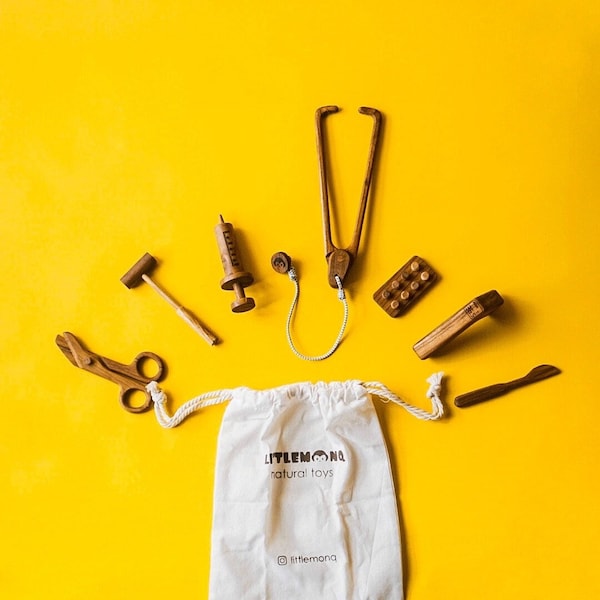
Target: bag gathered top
{"x": 304, "y": 500}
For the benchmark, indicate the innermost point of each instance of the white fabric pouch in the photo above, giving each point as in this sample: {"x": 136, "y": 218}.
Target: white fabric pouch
{"x": 304, "y": 501}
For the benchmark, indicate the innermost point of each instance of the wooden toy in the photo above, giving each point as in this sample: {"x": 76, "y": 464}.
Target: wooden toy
{"x": 471, "y": 313}
{"x": 405, "y": 286}
{"x": 281, "y": 262}
{"x": 130, "y": 378}
{"x": 499, "y": 389}
{"x": 140, "y": 272}
{"x": 236, "y": 278}
{"x": 340, "y": 260}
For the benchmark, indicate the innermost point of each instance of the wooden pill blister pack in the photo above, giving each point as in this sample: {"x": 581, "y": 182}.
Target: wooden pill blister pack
{"x": 405, "y": 286}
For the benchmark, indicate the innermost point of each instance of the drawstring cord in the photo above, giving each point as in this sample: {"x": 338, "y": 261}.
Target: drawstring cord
{"x": 220, "y": 396}
{"x": 185, "y": 410}
{"x": 433, "y": 393}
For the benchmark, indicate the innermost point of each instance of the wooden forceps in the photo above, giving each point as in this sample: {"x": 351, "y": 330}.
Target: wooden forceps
{"x": 340, "y": 260}
{"x": 130, "y": 378}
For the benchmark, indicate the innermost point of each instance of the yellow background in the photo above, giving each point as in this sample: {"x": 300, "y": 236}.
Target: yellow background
{"x": 129, "y": 126}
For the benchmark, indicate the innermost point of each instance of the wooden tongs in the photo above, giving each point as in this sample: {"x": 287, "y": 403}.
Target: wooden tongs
{"x": 340, "y": 260}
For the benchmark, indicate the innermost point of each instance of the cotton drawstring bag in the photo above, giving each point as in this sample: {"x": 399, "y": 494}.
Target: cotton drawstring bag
{"x": 304, "y": 501}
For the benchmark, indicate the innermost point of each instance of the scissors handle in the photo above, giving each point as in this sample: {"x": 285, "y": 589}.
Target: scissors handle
{"x": 136, "y": 381}
{"x": 126, "y": 399}
{"x": 141, "y": 358}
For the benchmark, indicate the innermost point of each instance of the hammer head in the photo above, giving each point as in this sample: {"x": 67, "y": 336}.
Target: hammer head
{"x": 143, "y": 266}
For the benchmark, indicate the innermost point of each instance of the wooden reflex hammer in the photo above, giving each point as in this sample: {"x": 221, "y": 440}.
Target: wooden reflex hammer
{"x": 471, "y": 313}
{"x": 140, "y": 272}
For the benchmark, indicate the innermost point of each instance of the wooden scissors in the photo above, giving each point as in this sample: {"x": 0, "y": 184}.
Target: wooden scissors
{"x": 130, "y": 378}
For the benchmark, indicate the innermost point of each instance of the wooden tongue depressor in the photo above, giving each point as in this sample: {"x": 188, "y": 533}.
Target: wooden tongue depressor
{"x": 498, "y": 389}
{"x": 471, "y": 313}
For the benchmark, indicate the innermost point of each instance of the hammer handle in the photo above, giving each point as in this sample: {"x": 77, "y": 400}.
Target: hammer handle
{"x": 210, "y": 337}
{"x": 190, "y": 319}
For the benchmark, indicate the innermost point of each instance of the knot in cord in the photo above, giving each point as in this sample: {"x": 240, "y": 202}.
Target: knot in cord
{"x": 435, "y": 386}
{"x": 157, "y": 395}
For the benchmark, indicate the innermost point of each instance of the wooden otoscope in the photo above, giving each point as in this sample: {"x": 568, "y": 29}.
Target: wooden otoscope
{"x": 479, "y": 307}
{"x": 236, "y": 278}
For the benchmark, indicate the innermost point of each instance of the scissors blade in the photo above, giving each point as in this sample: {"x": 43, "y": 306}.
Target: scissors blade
{"x": 78, "y": 355}
{"x": 65, "y": 349}
{"x": 128, "y": 377}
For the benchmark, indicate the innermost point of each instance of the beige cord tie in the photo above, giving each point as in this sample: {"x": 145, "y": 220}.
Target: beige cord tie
{"x": 288, "y": 327}
{"x": 433, "y": 393}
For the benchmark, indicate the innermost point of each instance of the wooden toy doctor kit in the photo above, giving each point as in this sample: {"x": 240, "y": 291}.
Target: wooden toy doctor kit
{"x": 339, "y": 260}
{"x": 304, "y": 500}
{"x": 140, "y": 272}
{"x": 130, "y": 378}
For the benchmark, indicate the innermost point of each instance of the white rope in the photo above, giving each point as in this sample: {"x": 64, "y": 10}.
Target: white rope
{"x": 218, "y": 397}
{"x": 341, "y": 295}
{"x": 433, "y": 393}
{"x": 185, "y": 410}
